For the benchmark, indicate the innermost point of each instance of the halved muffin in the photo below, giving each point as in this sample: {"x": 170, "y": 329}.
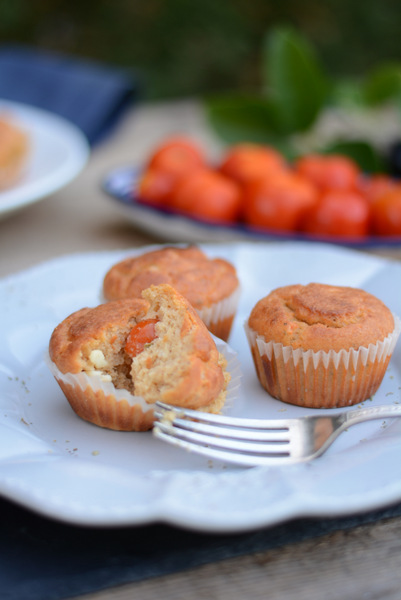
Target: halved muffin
{"x": 114, "y": 361}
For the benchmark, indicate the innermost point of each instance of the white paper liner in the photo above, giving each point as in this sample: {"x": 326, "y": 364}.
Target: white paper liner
{"x": 363, "y": 355}
{"x": 220, "y": 310}
{"x": 321, "y": 379}
{"x": 233, "y": 367}
{"x": 96, "y": 383}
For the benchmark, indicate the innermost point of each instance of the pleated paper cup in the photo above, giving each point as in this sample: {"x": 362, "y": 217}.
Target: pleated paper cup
{"x": 321, "y": 379}
{"x": 95, "y": 399}
{"x": 98, "y": 401}
{"x": 219, "y": 317}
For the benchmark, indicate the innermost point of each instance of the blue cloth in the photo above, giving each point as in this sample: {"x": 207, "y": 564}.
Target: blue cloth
{"x": 90, "y": 95}
{"x": 42, "y": 559}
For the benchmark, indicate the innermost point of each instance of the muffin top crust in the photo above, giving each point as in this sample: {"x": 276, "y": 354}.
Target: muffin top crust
{"x": 200, "y": 279}
{"x": 321, "y": 317}
{"x": 87, "y": 329}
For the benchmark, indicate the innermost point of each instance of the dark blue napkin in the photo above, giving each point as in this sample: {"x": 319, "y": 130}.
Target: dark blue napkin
{"x": 90, "y": 95}
{"x": 42, "y": 559}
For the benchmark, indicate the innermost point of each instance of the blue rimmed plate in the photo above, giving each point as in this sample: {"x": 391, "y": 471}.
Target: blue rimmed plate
{"x": 168, "y": 225}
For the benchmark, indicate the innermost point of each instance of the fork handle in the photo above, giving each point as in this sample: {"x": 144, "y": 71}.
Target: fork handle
{"x": 373, "y": 412}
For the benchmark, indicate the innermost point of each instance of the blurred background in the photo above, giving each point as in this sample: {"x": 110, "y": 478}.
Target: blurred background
{"x": 266, "y": 71}
{"x": 186, "y": 48}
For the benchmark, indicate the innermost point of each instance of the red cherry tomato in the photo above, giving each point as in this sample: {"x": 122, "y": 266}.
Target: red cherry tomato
{"x": 248, "y": 162}
{"x": 386, "y": 213}
{"x": 339, "y": 213}
{"x": 331, "y": 171}
{"x": 177, "y": 155}
{"x": 278, "y": 203}
{"x": 155, "y": 187}
{"x": 208, "y": 195}
{"x": 141, "y": 334}
{"x": 374, "y": 186}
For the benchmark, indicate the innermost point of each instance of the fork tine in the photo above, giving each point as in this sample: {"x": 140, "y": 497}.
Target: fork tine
{"x": 266, "y": 435}
{"x": 225, "y": 455}
{"x": 203, "y": 417}
{"x": 246, "y": 442}
{"x": 250, "y": 446}
{"x": 251, "y": 442}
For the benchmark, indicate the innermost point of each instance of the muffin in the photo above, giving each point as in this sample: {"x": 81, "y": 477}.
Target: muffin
{"x": 321, "y": 346}
{"x": 210, "y": 284}
{"x": 114, "y": 361}
{"x": 13, "y": 152}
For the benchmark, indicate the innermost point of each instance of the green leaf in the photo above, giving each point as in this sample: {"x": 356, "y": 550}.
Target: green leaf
{"x": 346, "y": 93}
{"x": 237, "y": 118}
{"x": 364, "y": 154}
{"x": 383, "y": 83}
{"x": 294, "y": 79}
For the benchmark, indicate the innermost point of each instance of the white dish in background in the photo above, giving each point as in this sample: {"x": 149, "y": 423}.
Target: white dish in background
{"x": 58, "y": 152}
{"x": 56, "y": 464}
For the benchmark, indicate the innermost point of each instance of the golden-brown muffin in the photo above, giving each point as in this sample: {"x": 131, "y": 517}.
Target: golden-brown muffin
{"x": 320, "y": 345}
{"x": 210, "y": 284}
{"x": 13, "y": 151}
{"x": 114, "y": 361}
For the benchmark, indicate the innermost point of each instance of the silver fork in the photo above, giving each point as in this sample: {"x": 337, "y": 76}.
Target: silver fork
{"x": 253, "y": 442}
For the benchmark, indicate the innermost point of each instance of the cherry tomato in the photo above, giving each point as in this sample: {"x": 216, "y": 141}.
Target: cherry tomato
{"x": 177, "y": 155}
{"x": 374, "y": 186}
{"x": 248, "y": 162}
{"x": 155, "y": 187}
{"x": 386, "y": 213}
{"x": 141, "y": 334}
{"x": 278, "y": 203}
{"x": 339, "y": 213}
{"x": 331, "y": 171}
{"x": 208, "y": 195}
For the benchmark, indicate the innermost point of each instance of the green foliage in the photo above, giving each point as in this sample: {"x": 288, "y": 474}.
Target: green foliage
{"x": 236, "y": 116}
{"x": 383, "y": 83}
{"x": 293, "y": 79}
{"x": 294, "y": 91}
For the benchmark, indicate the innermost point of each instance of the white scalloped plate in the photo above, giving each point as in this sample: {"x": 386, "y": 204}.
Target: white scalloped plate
{"x": 60, "y": 466}
{"x": 58, "y": 151}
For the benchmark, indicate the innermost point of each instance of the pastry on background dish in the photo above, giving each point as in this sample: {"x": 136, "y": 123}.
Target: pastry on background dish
{"x": 114, "y": 361}
{"x": 321, "y": 346}
{"x": 211, "y": 285}
{"x": 13, "y": 151}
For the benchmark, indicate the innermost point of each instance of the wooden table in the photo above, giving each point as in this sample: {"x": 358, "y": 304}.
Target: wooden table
{"x": 361, "y": 563}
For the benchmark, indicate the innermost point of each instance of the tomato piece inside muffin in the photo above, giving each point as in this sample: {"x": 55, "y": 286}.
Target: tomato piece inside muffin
{"x": 140, "y": 336}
